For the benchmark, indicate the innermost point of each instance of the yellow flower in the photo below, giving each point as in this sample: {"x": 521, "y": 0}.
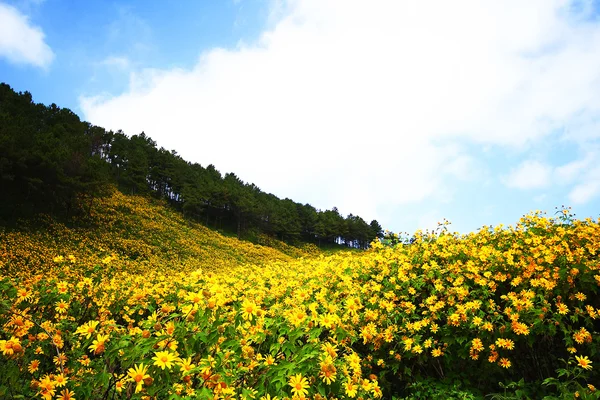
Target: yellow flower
{"x": 66, "y": 394}
{"x": 299, "y": 385}
{"x": 97, "y": 345}
{"x": 11, "y": 346}
{"x": 60, "y": 380}
{"x": 270, "y": 360}
{"x": 248, "y": 310}
{"x": 297, "y": 316}
{"x": 137, "y": 374}
{"x": 87, "y": 329}
{"x": 186, "y": 365}
{"x": 477, "y": 344}
{"x": 327, "y": 320}
{"x": 584, "y": 362}
{"x": 23, "y": 294}
{"x": 33, "y": 366}
{"x": 164, "y": 359}
{"x": 350, "y": 388}
{"x": 562, "y": 308}
{"x": 119, "y": 385}
{"x": 328, "y": 370}
{"x": 436, "y": 352}
{"x": 268, "y": 397}
{"x": 61, "y": 307}
{"x": 46, "y": 386}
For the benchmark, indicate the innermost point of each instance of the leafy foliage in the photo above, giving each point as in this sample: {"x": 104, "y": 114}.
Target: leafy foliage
{"x": 448, "y": 314}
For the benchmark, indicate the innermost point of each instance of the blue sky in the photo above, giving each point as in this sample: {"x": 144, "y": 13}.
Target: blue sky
{"x": 400, "y": 111}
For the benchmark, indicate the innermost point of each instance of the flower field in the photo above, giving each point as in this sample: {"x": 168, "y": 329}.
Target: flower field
{"x": 513, "y": 310}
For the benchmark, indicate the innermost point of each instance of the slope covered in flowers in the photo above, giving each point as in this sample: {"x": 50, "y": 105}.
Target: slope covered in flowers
{"x": 139, "y": 232}
{"x": 516, "y": 305}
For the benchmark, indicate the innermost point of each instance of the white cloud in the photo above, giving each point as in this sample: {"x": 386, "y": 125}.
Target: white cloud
{"x": 585, "y": 192}
{"x": 20, "y": 41}
{"x": 583, "y": 175}
{"x": 363, "y": 105}
{"x": 588, "y": 181}
{"x": 529, "y": 175}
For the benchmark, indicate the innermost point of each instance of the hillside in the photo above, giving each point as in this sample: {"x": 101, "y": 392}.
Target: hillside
{"x": 133, "y": 231}
{"x": 513, "y": 311}
{"x": 50, "y": 160}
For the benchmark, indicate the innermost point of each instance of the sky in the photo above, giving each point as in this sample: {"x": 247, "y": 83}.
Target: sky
{"x": 403, "y": 111}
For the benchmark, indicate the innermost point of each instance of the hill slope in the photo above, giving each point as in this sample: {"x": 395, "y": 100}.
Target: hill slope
{"x": 137, "y": 231}
{"x": 446, "y": 317}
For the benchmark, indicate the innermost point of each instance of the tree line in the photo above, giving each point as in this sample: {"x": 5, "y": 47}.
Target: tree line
{"x": 50, "y": 161}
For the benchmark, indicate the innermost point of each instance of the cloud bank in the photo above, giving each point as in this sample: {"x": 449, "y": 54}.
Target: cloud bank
{"x": 20, "y": 41}
{"x": 373, "y": 105}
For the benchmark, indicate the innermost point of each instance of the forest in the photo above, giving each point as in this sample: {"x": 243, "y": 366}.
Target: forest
{"x": 52, "y": 162}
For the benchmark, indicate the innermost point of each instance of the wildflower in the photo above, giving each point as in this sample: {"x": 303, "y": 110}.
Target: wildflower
{"x": 60, "y": 380}
{"x": 580, "y": 296}
{"x": 47, "y": 387}
{"x": 329, "y": 349}
{"x": 299, "y": 385}
{"x": 60, "y": 359}
{"x": 164, "y": 359}
{"x": 97, "y": 345}
{"x": 328, "y": 370}
{"x": 487, "y": 326}
{"x": 298, "y": 316}
{"x": 582, "y": 335}
{"x": 350, "y": 388}
{"x": 23, "y": 294}
{"x": 477, "y": 344}
{"x": 84, "y": 360}
{"x": 87, "y": 329}
{"x": 562, "y": 308}
{"x": 270, "y": 360}
{"x": 137, "y": 374}
{"x": 33, "y": 366}
{"x": 520, "y": 328}
{"x": 186, "y": 365}
{"x": 248, "y": 310}
{"x": 11, "y": 346}
{"x": 505, "y": 343}
{"x": 66, "y": 394}
{"x": 327, "y": 320}
{"x": 119, "y": 385}
{"x": 584, "y": 362}
{"x": 268, "y": 397}
{"x": 376, "y": 390}
{"x": 505, "y": 362}
{"x": 58, "y": 341}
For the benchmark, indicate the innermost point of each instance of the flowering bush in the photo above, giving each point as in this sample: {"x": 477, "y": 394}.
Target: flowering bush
{"x": 499, "y": 305}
